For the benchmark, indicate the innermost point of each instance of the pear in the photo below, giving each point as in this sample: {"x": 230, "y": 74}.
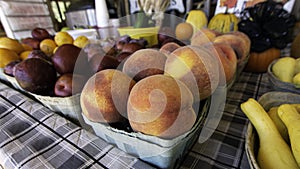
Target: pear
{"x": 284, "y": 69}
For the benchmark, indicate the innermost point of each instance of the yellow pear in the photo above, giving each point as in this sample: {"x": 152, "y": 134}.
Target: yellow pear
{"x": 7, "y": 56}
{"x": 11, "y": 44}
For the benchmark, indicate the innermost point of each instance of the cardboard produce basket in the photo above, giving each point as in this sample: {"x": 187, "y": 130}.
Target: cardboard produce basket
{"x": 69, "y": 107}
{"x": 2, "y": 75}
{"x": 267, "y": 100}
{"x": 13, "y": 82}
{"x": 160, "y": 152}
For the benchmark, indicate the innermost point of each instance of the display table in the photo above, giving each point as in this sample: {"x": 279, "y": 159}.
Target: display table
{"x": 33, "y": 136}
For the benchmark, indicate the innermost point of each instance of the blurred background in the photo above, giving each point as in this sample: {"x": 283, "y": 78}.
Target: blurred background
{"x": 18, "y": 17}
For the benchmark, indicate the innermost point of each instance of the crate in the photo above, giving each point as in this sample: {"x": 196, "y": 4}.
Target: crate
{"x": 14, "y": 8}
{"x": 160, "y": 152}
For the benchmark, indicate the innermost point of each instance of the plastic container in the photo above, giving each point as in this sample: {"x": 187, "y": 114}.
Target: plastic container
{"x": 150, "y": 34}
{"x": 279, "y": 85}
{"x": 159, "y": 152}
{"x": 267, "y": 100}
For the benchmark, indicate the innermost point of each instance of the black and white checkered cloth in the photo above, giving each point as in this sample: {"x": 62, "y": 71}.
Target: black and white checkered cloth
{"x": 226, "y": 147}
{"x": 32, "y": 136}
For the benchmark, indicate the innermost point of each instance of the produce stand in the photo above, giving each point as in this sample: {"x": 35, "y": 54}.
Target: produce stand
{"x": 224, "y": 149}
{"x": 53, "y": 126}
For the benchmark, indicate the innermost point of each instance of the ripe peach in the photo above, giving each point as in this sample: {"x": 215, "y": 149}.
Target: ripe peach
{"x": 161, "y": 106}
{"x": 228, "y": 61}
{"x": 144, "y": 63}
{"x": 196, "y": 68}
{"x": 104, "y": 96}
{"x": 240, "y": 46}
{"x": 204, "y": 36}
{"x": 169, "y": 48}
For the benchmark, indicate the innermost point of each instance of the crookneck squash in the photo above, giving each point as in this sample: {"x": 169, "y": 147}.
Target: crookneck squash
{"x": 224, "y": 22}
{"x": 197, "y": 18}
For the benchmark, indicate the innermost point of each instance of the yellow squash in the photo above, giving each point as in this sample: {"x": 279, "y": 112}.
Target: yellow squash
{"x": 279, "y": 124}
{"x": 273, "y": 151}
{"x": 197, "y": 18}
{"x": 224, "y": 22}
{"x": 291, "y": 118}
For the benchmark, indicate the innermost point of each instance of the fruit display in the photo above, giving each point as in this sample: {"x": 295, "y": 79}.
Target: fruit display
{"x": 37, "y": 63}
{"x": 199, "y": 68}
{"x": 273, "y": 150}
{"x": 199, "y": 60}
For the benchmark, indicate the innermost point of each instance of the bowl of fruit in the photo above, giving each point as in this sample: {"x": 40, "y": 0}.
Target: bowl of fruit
{"x": 284, "y": 74}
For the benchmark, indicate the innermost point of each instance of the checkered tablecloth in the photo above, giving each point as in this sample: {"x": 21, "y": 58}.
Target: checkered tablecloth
{"x": 32, "y": 136}
{"x": 226, "y": 147}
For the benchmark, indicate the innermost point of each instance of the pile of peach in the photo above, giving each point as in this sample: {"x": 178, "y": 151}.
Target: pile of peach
{"x": 155, "y": 88}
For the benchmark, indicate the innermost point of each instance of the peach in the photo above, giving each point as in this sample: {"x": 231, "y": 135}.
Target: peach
{"x": 169, "y": 48}
{"x": 240, "y": 46}
{"x": 161, "y": 106}
{"x": 228, "y": 61}
{"x": 104, "y": 96}
{"x": 144, "y": 63}
{"x": 196, "y": 68}
{"x": 204, "y": 36}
